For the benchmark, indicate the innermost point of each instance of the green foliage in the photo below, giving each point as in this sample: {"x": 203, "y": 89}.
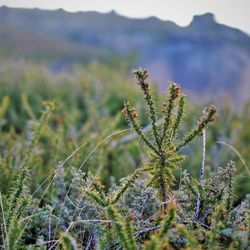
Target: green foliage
{"x": 110, "y": 193}
{"x": 67, "y": 242}
{"x": 122, "y": 228}
{"x": 165, "y": 146}
{"x": 168, "y": 221}
{"x": 18, "y": 199}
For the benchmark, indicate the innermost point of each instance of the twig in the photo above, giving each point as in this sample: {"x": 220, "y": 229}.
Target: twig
{"x": 205, "y": 214}
{"x": 137, "y": 234}
{"x": 198, "y": 201}
{"x": 197, "y": 209}
{"x": 203, "y": 156}
{"x": 147, "y": 230}
{"x": 95, "y": 242}
{"x": 50, "y": 213}
{"x": 203, "y": 224}
{"x": 89, "y": 243}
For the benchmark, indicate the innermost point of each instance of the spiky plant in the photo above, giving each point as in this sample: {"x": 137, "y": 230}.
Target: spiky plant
{"x": 165, "y": 143}
{"x": 164, "y": 152}
{"x": 67, "y": 242}
{"x": 121, "y": 226}
{"x": 18, "y": 199}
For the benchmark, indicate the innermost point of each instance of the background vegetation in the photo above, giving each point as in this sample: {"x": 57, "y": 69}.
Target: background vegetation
{"x": 46, "y": 116}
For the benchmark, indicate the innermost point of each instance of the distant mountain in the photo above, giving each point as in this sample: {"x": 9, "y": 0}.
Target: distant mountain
{"x": 209, "y": 59}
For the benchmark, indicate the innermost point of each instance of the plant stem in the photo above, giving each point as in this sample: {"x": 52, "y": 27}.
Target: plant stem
{"x": 202, "y": 170}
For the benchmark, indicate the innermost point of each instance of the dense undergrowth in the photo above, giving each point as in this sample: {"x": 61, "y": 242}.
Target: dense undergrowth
{"x": 74, "y": 177}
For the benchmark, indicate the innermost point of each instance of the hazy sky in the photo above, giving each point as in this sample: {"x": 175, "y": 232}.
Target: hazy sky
{"x": 235, "y": 13}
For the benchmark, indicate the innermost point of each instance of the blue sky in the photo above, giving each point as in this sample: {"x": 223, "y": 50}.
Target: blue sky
{"x": 234, "y": 13}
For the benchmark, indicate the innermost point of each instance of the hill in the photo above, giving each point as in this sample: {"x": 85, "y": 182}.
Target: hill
{"x": 209, "y": 59}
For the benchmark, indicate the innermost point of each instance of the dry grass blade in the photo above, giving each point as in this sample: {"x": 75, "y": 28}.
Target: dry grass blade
{"x": 237, "y": 153}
